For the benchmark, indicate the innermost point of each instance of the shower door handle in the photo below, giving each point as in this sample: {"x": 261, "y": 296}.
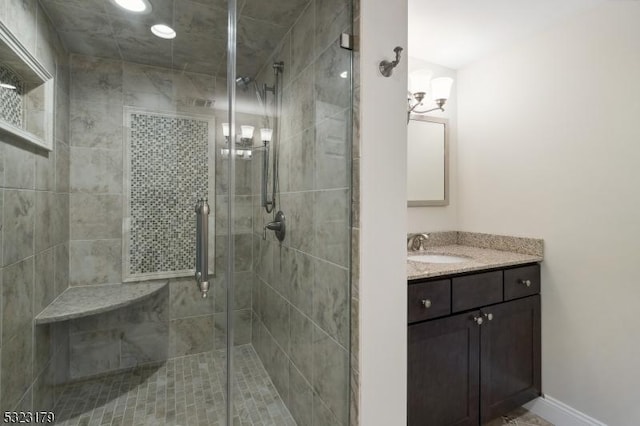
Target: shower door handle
{"x": 202, "y": 246}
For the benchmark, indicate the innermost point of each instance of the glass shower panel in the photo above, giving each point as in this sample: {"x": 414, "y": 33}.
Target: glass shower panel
{"x": 293, "y": 86}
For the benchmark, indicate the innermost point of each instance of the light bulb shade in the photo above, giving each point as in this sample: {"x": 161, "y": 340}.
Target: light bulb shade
{"x": 441, "y": 88}
{"x": 265, "y": 135}
{"x": 163, "y": 31}
{"x": 135, "y": 6}
{"x": 225, "y": 129}
{"x": 419, "y": 81}
{"x": 247, "y": 132}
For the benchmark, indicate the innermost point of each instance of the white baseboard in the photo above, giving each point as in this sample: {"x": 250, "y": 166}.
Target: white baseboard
{"x": 560, "y": 414}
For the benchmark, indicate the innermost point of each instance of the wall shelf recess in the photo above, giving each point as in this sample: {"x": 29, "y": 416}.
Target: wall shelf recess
{"x": 26, "y": 97}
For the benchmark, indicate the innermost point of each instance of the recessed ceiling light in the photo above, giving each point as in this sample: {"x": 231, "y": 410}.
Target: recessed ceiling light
{"x": 163, "y": 31}
{"x": 8, "y": 86}
{"x": 135, "y": 6}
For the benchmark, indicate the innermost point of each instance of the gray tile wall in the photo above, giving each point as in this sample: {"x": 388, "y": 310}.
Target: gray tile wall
{"x": 301, "y": 288}
{"x": 185, "y": 323}
{"x": 34, "y": 229}
{"x": 100, "y": 90}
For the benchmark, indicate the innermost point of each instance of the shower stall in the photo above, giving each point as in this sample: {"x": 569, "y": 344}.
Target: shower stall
{"x": 182, "y": 253}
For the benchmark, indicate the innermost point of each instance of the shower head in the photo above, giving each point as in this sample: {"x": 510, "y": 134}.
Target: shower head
{"x": 243, "y": 82}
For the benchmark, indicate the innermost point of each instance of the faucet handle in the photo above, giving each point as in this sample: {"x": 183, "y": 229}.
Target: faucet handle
{"x": 416, "y": 242}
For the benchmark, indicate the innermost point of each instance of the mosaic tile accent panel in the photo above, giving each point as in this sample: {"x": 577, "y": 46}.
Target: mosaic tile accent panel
{"x": 168, "y": 173}
{"x": 11, "y": 102}
{"x": 184, "y": 391}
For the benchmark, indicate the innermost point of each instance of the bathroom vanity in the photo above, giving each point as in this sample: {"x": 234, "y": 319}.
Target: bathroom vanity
{"x": 473, "y": 336}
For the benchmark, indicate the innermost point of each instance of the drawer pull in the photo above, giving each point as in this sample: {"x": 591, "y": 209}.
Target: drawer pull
{"x": 489, "y": 317}
{"x": 426, "y": 303}
{"x": 525, "y": 282}
{"x": 478, "y": 320}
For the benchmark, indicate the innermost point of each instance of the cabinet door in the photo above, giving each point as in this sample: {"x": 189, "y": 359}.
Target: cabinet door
{"x": 443, "y": 372}
{"x": 509, "y": 356}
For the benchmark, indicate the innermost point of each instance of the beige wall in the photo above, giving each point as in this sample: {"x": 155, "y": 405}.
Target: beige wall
{"x": 442, "y": 218}
{"x": 383, "y": 225}
{"x": 549, "y": 147}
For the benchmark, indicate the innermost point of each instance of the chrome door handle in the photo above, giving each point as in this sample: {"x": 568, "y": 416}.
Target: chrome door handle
{"x": 489, "y": 316}
{"x": 202, "y": 246}
{"x": 478, "y": 320}
{"x": 426, "y": 303}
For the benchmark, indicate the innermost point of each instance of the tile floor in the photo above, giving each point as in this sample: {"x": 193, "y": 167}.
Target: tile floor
{"x": 189, "y": 391}
{"x": 519, "y": 417}
{"x": 182, "y": 392}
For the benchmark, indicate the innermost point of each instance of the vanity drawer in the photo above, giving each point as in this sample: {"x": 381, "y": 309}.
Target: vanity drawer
{"x": 476, "y": 290}
{"x": 429, "y": 300}
{"x": 521, "y": 282}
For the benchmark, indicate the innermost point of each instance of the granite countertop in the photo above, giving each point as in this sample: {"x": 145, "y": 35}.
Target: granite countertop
{"x": 77, "y": 302}
{"x": 485, "y": 251}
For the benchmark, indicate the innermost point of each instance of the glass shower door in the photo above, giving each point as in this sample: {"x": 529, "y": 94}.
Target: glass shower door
{"x": 145, "y": 97}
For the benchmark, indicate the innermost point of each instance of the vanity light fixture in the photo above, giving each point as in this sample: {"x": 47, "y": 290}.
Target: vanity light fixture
{"x": 440, "y": 91}
{"x": 241, "y": 149}
{"x": 265, "y": 135}
{"x": 163, "y": 31}
{"x": 225, "y": 131}
{"x": 247, "y": 134}
{"x": 134, "y": 6}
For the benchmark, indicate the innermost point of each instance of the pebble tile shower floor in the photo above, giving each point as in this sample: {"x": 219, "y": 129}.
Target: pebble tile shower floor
{"x": 184, "y": 391}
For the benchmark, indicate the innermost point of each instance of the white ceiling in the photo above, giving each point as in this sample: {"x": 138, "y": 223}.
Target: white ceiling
{"x": 454, "y": 33}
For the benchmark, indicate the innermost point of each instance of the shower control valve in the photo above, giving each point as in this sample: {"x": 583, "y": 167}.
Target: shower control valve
{"x": 278, "y": 226}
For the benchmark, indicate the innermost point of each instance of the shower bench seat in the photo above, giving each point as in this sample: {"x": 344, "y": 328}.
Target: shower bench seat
{"x": 76, "y": 302}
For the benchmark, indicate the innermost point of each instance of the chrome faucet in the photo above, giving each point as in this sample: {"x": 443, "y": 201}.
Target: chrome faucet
{"x": 416, "y": 242}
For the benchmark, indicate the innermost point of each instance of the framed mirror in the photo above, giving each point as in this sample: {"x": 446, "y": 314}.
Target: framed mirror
{"x": 427, "y": 161}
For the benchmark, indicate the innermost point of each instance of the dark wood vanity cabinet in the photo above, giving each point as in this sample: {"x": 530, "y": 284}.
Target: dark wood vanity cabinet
{"x": 444, "y": 372}
{"x": 470, "y": 367}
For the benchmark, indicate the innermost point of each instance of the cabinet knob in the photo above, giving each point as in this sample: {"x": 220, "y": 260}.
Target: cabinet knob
{"x": 489, "y": 317}
{"x": 478, "y": 320}
{"x": 525, "y": 282}
{"x": 426, "y": 303}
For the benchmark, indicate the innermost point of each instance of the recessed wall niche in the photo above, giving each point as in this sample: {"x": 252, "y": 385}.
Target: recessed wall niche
{"x": 26, "y": 95}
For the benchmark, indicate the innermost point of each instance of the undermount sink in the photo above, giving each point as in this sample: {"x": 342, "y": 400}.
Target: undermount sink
{"x": 437, "y": 258}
